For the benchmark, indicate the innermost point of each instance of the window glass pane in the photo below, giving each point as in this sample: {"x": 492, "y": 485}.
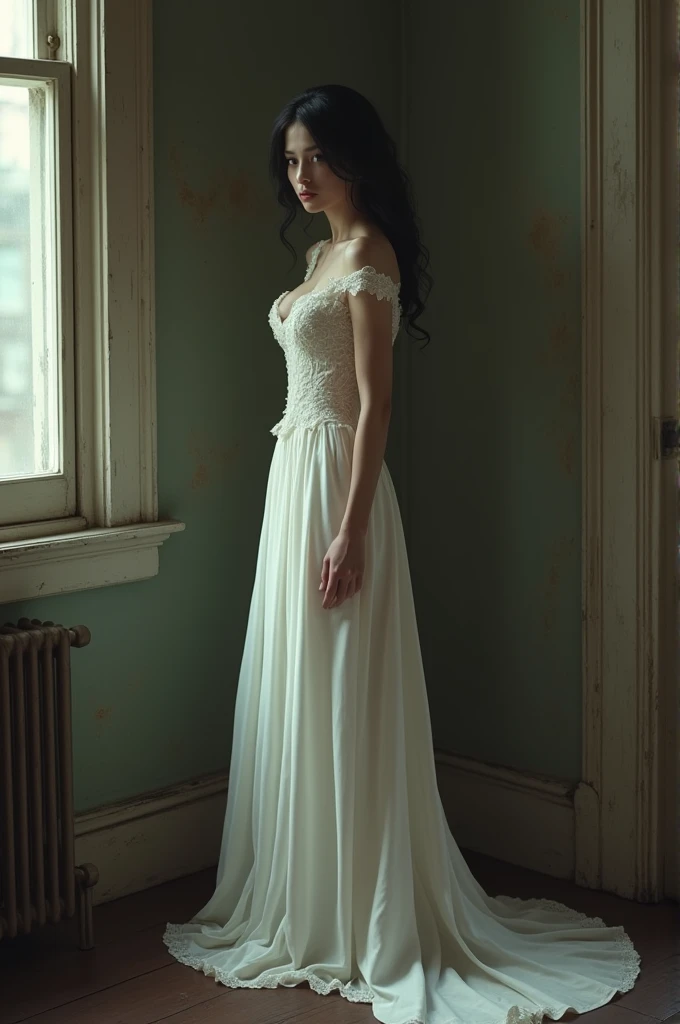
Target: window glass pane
{"x": 29, "y": 351}
{"x": 16, "y": 28}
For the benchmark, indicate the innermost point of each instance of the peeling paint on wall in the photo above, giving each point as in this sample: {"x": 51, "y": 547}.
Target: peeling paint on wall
{"x": 618, "y": 183}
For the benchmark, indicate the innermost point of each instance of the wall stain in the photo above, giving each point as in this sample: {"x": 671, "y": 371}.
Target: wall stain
{"x": 208, "y": 458}
{"x": 545, "y": 239}
{"x": 239, "y": 192}
{"x": 200, "y": 204}
{"x": 224, "y": 192}
{"x": 103, "y": 717}
{"x": 566, "y": 454}
{"x": 200, "y": 477}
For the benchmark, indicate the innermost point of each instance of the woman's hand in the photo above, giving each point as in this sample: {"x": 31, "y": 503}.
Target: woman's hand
{"x": 343, "y": 568}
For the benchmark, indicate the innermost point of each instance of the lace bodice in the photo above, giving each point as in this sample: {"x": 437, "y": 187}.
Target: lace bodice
{"x": 318, "y": 344}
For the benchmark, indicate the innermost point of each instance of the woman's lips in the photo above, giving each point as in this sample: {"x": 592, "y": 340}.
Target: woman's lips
{"x": 307, "y": 195}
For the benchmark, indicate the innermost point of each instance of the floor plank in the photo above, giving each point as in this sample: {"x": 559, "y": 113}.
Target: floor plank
{"x": 130, "y": 978}
{"x": 657, "y": 991}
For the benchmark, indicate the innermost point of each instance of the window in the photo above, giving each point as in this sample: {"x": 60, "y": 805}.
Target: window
{"x": 78, "y": 500}
{"x": 37, "y": 415}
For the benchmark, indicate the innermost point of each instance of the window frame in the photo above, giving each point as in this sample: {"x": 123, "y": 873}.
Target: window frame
{"x": 115, "y": 534}
{"x": 50, "y": 496}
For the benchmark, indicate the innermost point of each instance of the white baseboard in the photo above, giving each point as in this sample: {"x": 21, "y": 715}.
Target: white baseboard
{"x": 517, "y": 818}
{"x": 152, "y": 839}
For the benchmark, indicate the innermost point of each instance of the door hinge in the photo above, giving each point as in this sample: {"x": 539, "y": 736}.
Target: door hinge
{"x": 667, "y": 437}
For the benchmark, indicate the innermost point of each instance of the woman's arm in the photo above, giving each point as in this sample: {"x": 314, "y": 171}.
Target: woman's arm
{"x": 372, "y": 329}
{"x": 367, "y": 459}
{"x": 343, "y": 566}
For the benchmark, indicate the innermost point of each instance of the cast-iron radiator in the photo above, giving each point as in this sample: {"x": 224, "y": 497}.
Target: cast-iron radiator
{"x": 38, "y": 875}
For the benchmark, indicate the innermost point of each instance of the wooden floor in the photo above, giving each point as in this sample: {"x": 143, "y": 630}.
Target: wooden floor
{"x": 130, "y": 978}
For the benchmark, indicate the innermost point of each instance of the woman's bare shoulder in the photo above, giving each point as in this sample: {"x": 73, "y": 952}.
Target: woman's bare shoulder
{"x": 376, "y": 252}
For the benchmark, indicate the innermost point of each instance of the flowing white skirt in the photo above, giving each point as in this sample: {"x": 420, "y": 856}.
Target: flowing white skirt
{"x": 337, "y": 865}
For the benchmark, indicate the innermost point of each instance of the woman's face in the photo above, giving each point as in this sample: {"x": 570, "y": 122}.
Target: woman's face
{"x": 307, "y": 169}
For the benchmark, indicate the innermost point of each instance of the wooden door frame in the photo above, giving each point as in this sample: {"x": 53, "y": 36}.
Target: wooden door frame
{"x": 626, "y": 827}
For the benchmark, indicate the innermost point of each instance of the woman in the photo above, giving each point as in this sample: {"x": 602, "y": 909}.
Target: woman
{"x": 337, "y": 866}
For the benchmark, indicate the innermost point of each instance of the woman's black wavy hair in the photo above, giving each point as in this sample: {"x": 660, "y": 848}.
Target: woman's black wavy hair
{"x": 357, "y": 148}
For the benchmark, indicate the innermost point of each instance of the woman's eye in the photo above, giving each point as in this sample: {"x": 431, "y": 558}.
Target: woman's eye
{"x": 316, "y": 155}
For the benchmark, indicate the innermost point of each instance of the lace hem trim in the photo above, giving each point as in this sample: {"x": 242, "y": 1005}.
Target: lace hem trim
{"x": 178, "y": 944}
{"x": 630, "y": 959}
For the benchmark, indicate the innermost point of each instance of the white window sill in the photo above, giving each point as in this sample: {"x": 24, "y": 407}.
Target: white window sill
{"x": 82, "y": 560}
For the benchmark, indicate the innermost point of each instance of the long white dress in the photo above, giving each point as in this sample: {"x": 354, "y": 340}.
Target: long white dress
{"x": 337, "y": 865}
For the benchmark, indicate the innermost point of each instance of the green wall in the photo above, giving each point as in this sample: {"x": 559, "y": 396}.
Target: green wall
{"x": 492, "y": 459}
{"x": 494, "y": 467}
{"x": 154, "y": 692}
